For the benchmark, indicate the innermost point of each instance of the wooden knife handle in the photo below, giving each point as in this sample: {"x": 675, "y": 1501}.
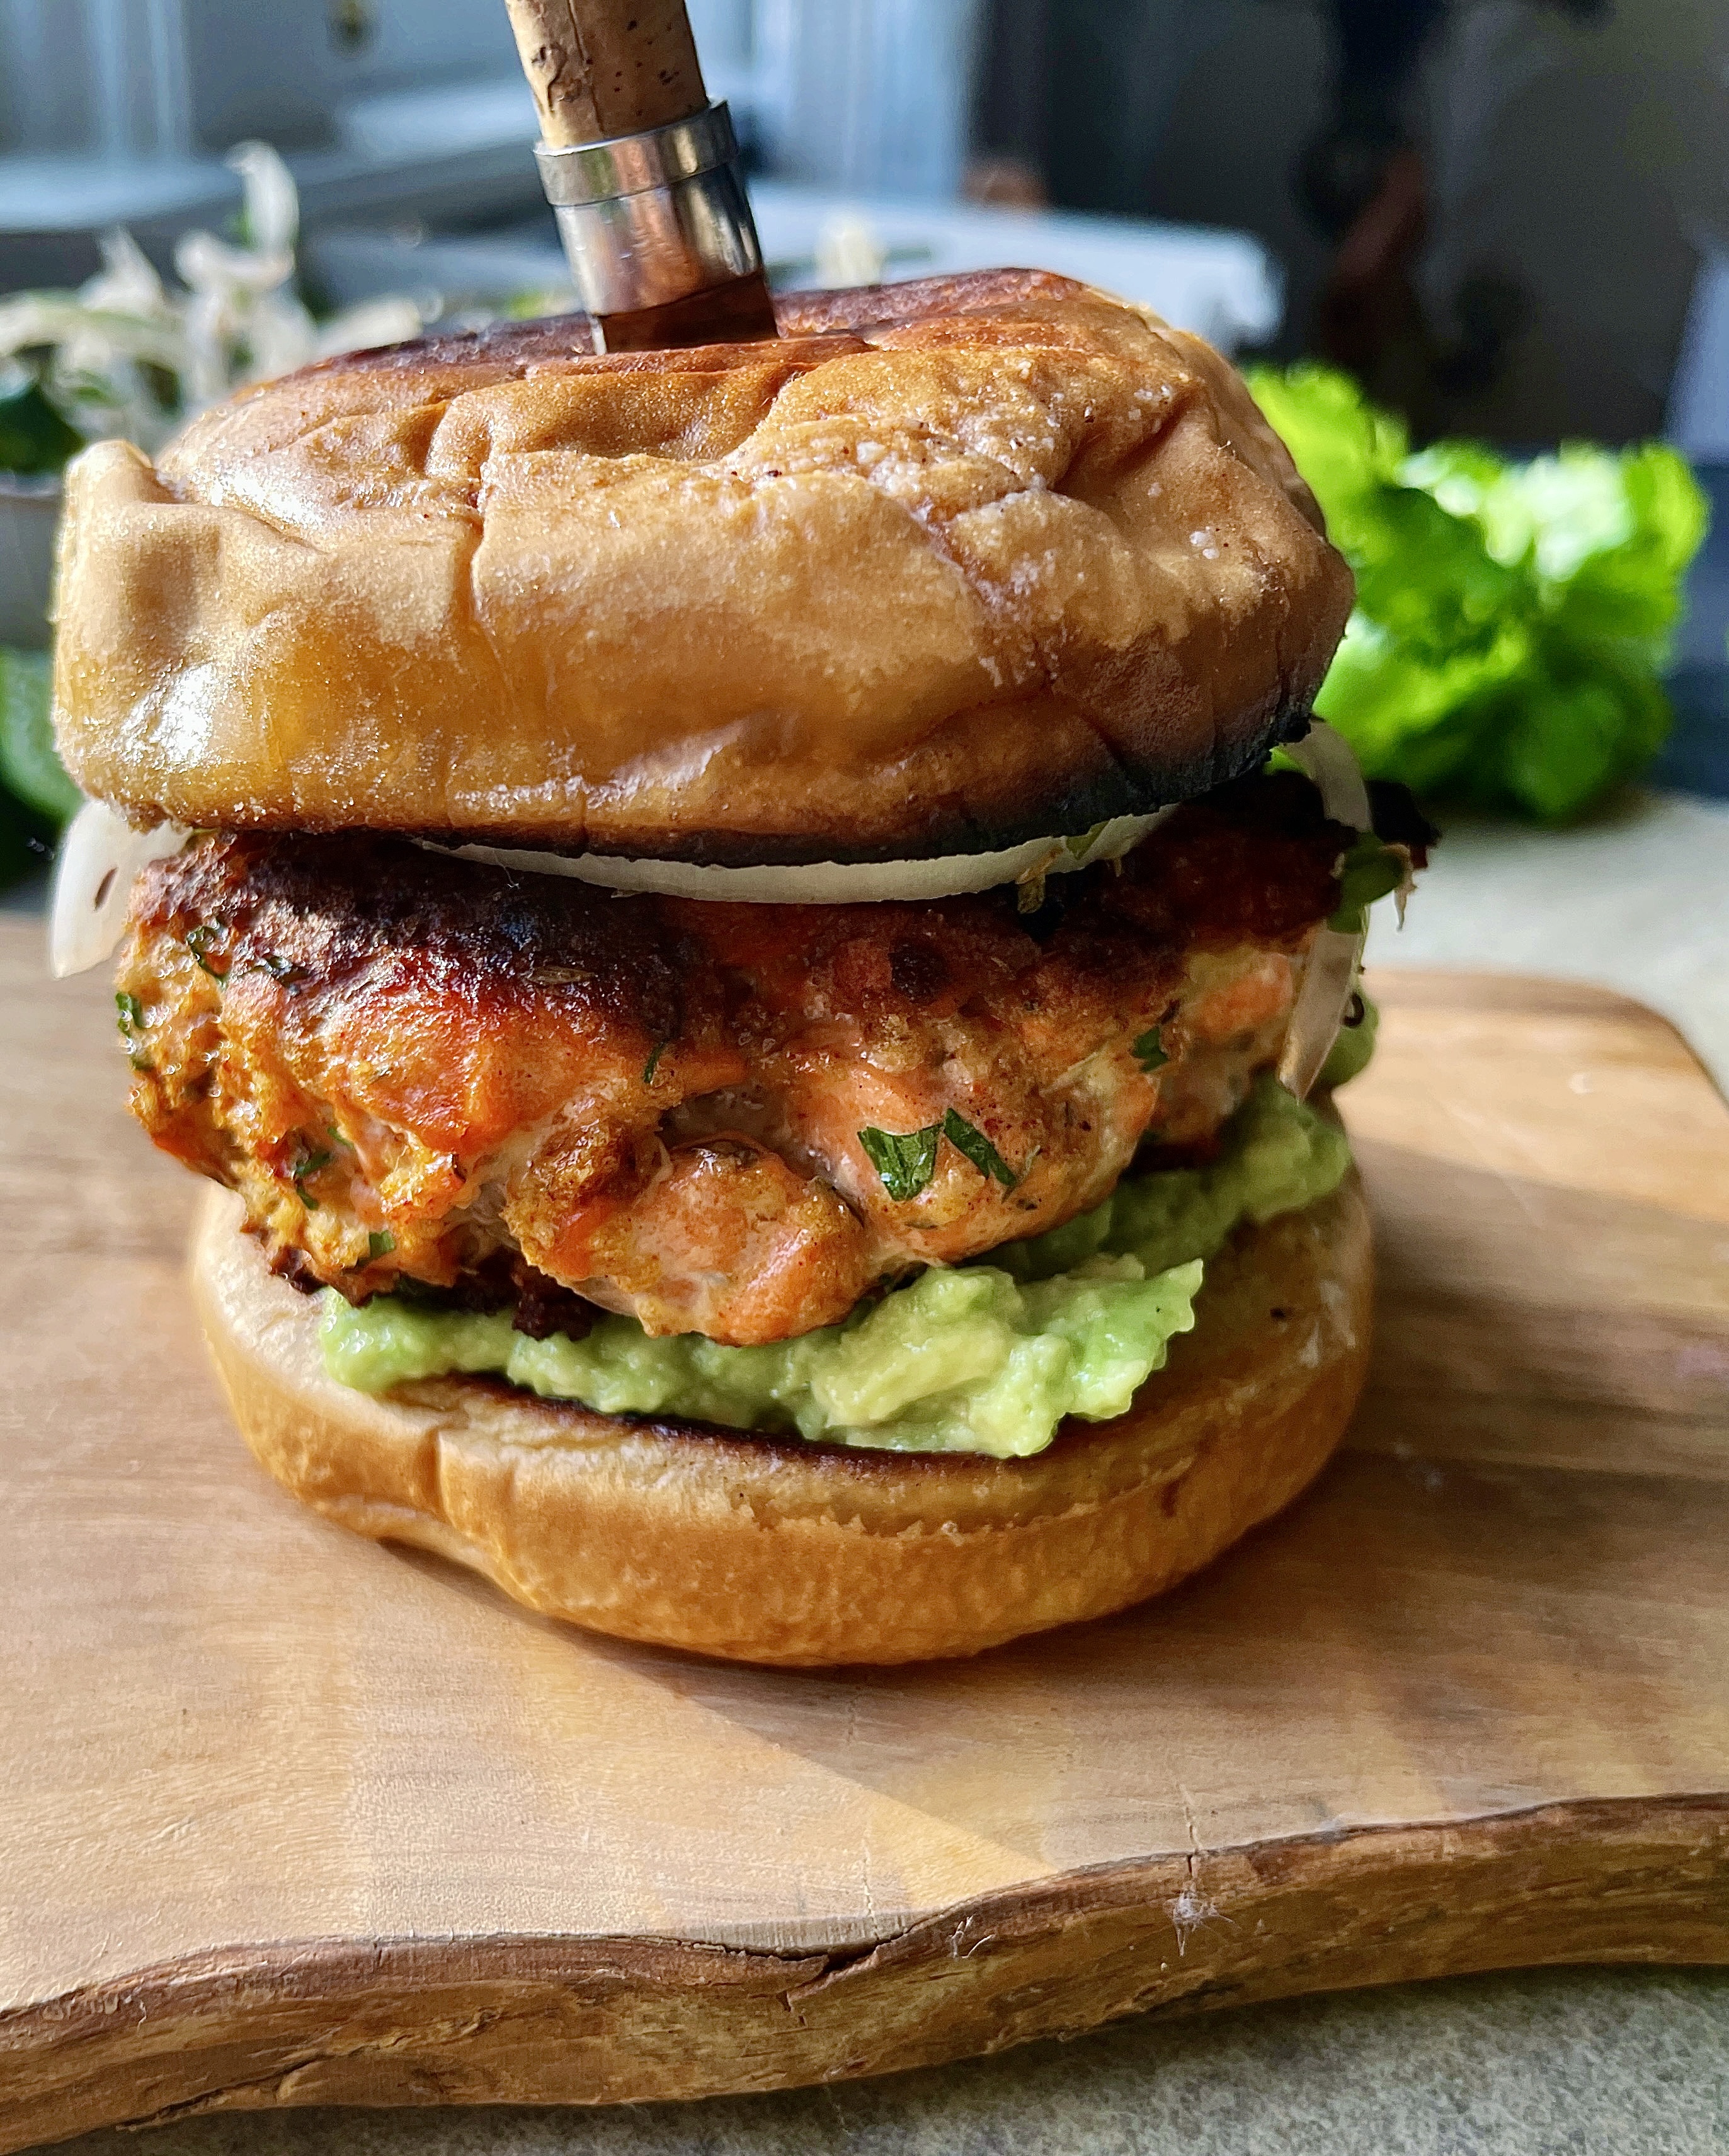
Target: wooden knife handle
{"x": 599, "y": 68}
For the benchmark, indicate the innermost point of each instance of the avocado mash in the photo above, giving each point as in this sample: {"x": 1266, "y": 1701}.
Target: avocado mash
{"x": 1349, "y": 1056}
{"x": 985, "y": 1358}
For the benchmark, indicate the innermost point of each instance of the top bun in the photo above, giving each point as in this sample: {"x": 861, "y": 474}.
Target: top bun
{"x": 954, "y": 564}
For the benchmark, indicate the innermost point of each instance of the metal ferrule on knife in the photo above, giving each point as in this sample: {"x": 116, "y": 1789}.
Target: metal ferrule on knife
{"x": 652, "y": 218}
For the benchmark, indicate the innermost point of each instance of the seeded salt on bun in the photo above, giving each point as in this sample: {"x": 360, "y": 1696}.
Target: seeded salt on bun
{"x": 768, "y": 1549}
{"x": 954, "y": 565}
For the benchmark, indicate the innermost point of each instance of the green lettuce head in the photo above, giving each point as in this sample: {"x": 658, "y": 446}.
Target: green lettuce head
{"x": 1513, "y": 620}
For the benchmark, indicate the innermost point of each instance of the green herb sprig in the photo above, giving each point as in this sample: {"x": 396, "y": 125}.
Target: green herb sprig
{"x": 199, "y": 941}
{"x": 1149, "y": 1051}
{"x": 904, "y": 1160}
{"x": 271, "y": 963}
{"x": 309, "y": 1164}
{"x": 967, "y": 1139}
{"x": 132, "y": 1024}
{"x": 907, "y": 1160}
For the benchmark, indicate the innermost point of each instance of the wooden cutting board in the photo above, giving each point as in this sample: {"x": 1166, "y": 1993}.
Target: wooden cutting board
{"x": 286, "y": 1817}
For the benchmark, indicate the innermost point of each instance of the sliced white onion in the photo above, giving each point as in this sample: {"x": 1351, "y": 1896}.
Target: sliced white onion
{"x": 1329, "y": 981}
{"x": 1326, "y": 758}
{"x": 829, "y": 883}
{"x": 99, "y": 856}
{"x": 1330, "y": 978}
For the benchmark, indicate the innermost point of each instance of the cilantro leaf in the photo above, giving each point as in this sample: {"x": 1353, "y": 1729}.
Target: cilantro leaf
{"x": 132, "y": 1024}
{"x": 1148, "y": 1049}
{"x": 271, "y": 963}
{"x": 199, "y": 941}
{"x": 968, "y": 1139}
{"x": 380, "y": 1243}
{"x": 906, "y": 1162}
{"x": 308, "y": 1164}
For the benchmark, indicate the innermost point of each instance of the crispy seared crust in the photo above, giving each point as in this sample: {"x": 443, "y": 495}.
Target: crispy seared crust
{"x": 953, "y": 564}
{"x": 769, "y": 1550}
{"x": 376, "y": 1044}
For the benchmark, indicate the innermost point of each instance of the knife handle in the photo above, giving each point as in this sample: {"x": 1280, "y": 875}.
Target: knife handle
{"x": 604, "y": 68}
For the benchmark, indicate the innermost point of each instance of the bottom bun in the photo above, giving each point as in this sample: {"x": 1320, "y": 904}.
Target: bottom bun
{"x": 767, "y": 1549}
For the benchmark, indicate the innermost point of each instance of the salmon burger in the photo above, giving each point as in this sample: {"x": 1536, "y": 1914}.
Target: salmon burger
{"x": 747, "y": 934}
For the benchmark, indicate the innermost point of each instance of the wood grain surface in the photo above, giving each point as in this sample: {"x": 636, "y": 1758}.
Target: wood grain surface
{"x": 286, "y": 1817}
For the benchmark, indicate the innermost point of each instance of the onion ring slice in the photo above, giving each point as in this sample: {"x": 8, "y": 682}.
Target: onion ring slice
{"x": 99, "y": 857}
{"x": 1335, "y": 960}
{"x": 1325, "y": 757}
{"x": 827, "y": 883}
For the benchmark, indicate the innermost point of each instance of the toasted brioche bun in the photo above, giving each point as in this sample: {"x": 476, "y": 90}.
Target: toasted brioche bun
{"x": 771, "y": 1550}
{"x": 952, "y": 566}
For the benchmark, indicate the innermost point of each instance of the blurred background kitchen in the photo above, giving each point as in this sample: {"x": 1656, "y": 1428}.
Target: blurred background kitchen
{"x": 1502, "y": 226}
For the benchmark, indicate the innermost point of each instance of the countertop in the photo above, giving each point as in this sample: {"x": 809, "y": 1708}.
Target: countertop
{"x": 1627, "y": 2062}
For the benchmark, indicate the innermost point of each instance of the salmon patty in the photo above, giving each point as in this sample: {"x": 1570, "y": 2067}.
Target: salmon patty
{"x": 731, "y": 1119}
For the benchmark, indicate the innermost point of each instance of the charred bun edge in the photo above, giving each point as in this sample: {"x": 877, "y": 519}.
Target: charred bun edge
{"x": 938, "y": 831}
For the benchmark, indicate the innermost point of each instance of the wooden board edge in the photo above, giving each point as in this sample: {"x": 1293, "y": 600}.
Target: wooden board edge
{"x": 598, "y": 2021}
